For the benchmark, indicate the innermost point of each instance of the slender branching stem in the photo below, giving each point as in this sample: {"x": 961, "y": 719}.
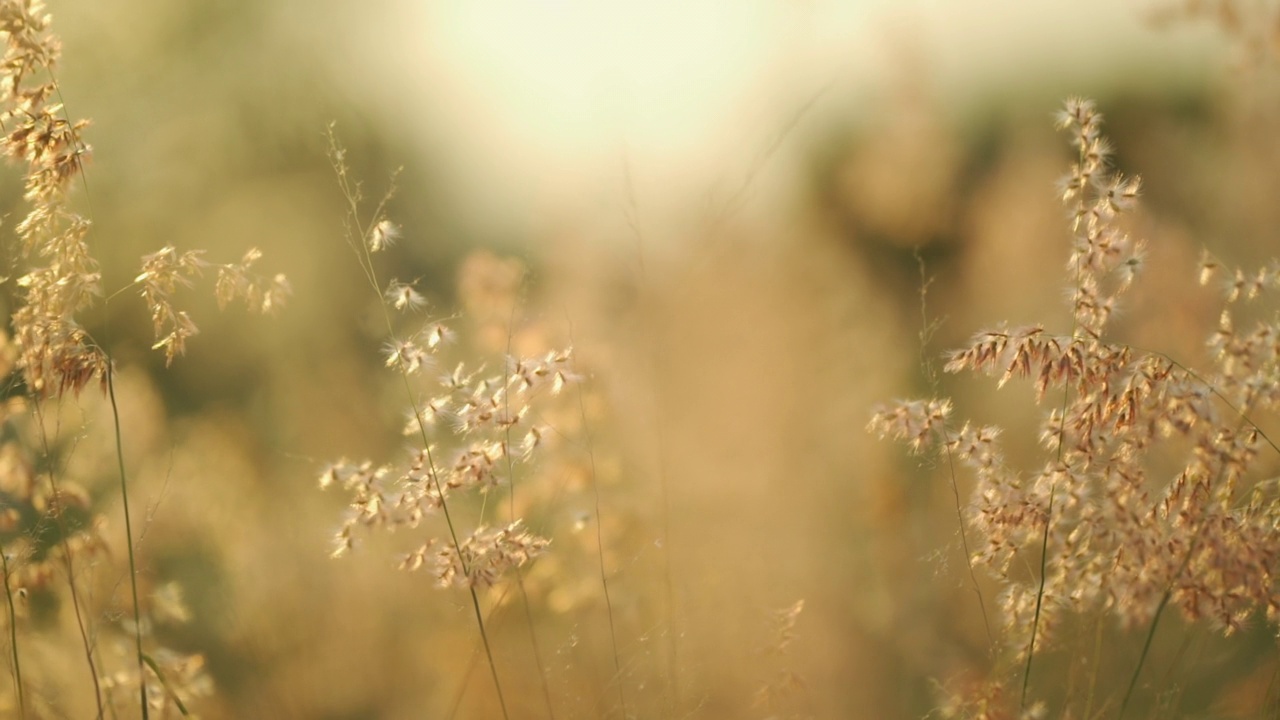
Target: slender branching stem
{"x": 357, "y": 232}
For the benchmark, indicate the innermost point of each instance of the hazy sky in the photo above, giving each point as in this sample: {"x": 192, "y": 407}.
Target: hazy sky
{"x": 540, "y": 100}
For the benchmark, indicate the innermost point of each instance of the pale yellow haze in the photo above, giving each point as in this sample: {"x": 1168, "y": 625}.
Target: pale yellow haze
{"x": 540, "y": 103}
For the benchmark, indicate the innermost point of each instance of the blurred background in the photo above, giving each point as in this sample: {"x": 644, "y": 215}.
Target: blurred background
{"x": 730, "y": 210}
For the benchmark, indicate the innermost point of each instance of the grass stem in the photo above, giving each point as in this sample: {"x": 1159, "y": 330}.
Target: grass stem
{"x": 128, "y": 532}
{"x": 64, "y": 534}
{"x": 356, "y": 232}
{"x": 13, "y": 637}
{"x": 599, "y": 522}
{"x": 511, "y": 498}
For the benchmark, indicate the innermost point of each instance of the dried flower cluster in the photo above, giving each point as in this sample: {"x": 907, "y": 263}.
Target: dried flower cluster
{"x": 485, "y": 426}
{"x": 55, "y": 353}
{"x": 49, "y": 528}
{"x": 470, "y": 432}
{"x": 481, "y": 559}
{"x": 63, "y": 279}
{"x": 1118, "y": 537}
{"x": 165, "y": 270}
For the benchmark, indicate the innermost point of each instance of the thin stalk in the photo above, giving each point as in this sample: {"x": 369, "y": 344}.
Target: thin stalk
{"x": 1155, "y": 619}
{"x": 511, "y": 496}
{"x": 13, "y": 637}
{"x": 964, "y": 544}
{"x": 1035, "y": 625}
{"x": 462, "y": 686}
{"x": 356, "y": 239}
{"x": 453, "y": 534}
{"x": 1044, "y": 541}
{"x": 1044, "y": 547}
{"x": 1062, "y": 439}
{"x": 1269, "y": 705}
{"x": 764, "y": 155}
{"x": 604, "y": 576}
{"x": 668, "y": 572}
{"x": 926, "y": 333}
{"x": 472, "y": 659}
{"x": 664, "y": 485}
{"x": 66, "y": 547}
{"x": 1093, "y": 674}
{"x": 128, "y": 532}
{"x": 67, "y": 560}
{"x": 155, "y": 667}
{"x": 1146, "y": 647}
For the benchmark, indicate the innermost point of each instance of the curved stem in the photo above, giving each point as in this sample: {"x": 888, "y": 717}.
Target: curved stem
{"x": 356, "y": 232}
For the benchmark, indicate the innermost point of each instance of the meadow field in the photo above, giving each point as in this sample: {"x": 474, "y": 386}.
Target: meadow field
{"x": 577, "y": 360}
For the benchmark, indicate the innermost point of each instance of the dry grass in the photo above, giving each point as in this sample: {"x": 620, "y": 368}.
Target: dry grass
{"x": 1153, "y": 492}
{"x": 628, "y": 482}
{"x": 57, "y": 538}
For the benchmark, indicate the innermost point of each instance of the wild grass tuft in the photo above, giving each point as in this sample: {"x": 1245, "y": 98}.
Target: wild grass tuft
{"x": 50, "y": 356}
{"x": 1110, "y": 533}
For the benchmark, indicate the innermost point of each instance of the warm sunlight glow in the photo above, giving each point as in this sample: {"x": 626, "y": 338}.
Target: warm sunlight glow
{"x": 543, "y": 101}
{"x": 700, "y": 359}
{"x": 559, "y": 91}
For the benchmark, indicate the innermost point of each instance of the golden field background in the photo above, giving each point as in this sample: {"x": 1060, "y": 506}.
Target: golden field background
{"x": 729, "y": 210}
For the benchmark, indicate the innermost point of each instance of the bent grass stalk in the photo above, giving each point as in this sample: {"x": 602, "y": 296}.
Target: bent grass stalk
{"x": 357, "y": 233}
{"x": 511, "y": 497}
{"x": 927, "y": 328}
{"x": 604, "y": 575}
{"x": 472, "y": 658}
